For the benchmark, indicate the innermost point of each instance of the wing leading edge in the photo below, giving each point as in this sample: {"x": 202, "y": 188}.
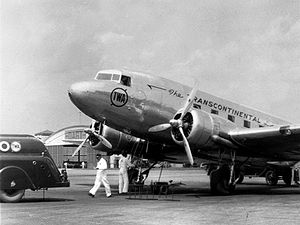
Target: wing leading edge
{"x": 275, "y": 141}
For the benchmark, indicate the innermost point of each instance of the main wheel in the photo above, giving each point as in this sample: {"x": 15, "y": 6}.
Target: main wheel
{"x": 271, "y": 178}
{"x": 11, "y": 195}
{"x": 219, "y": 181}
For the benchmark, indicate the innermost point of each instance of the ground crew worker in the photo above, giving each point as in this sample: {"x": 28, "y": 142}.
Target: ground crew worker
{"x": 296, "y": 174}
{"x": 124, "y": 163}
{"x": 101, "y": 177}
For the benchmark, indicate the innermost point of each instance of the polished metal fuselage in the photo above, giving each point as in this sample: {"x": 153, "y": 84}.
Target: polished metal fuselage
{"x": 152, "y": 100}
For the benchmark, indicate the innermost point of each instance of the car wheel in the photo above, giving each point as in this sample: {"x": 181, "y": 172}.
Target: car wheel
{"x": 11, "y": 195}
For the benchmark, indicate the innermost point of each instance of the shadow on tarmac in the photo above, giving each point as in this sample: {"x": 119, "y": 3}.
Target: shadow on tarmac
{"x": 35, "y": 200}
{"x": 243, "y": 189}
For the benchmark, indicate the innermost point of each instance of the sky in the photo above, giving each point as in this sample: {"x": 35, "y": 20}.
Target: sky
{"x": 245, "y": 51}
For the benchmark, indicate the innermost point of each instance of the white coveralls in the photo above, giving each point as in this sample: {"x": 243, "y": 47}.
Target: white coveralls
{"x": 101, "y": 177}
{"x": 295, "y": 169}
{"x": 123, "y": 174}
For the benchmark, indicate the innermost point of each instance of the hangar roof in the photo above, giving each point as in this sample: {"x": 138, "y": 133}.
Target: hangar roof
{"x": 44, "y": 133}
{"x": 68, "y": 136}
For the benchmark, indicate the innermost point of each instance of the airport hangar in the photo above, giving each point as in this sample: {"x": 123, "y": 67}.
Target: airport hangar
{"x": 61, "y": 148}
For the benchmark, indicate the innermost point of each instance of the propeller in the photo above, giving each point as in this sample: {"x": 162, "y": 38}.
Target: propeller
{"x": 103, "y": 140}
{"x": 80, "y": 146}
{"x": 91, "y": 132}
{"x": 187, "y": 147}
{"x": 160, "y": 127}
{"x": 178, "y": 123}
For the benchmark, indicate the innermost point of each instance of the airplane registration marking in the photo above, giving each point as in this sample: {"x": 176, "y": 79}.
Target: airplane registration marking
{"x": 118, "y": 97}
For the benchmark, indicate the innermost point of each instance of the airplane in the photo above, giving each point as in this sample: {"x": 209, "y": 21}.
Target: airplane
{"x": 177, "y": 123}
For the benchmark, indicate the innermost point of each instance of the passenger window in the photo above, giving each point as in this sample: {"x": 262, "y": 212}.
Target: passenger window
{"x": 214, "y": 111}
{"x": 247, "y": 123}
{"x": 231, "y": 118}
{"x": 125, "y": 80}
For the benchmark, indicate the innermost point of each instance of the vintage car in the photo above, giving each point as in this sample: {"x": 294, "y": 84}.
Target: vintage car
{"x": 25, "y": 163}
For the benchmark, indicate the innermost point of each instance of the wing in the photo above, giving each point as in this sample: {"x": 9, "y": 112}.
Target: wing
{"x": 282, "y": 142}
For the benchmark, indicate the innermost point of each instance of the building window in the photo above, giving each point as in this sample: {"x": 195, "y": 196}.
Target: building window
{"x": 231, "y": 118}
{"x": 214, "y": 112}
{"x": 247, "y": 123}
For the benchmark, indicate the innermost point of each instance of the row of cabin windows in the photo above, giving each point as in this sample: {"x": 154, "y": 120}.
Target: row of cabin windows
{"x": 247, "y": 123}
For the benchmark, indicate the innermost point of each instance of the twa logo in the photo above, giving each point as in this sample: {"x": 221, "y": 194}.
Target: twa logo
{"x": 118, "y": 97}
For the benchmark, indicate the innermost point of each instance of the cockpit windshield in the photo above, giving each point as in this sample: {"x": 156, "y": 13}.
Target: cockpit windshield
{"x": 115, "y": 77}
{"x": 121, "y": 79}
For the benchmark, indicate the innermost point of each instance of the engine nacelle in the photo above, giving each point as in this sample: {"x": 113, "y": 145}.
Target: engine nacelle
{"x": 118, "y": 140}
{"x": 199, "y": 127}
{"x": 135, "y": 146}
{"x": 202, "y": 129}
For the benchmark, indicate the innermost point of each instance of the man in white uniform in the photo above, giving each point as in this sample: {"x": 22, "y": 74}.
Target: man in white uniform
{"x": 124, "y": 163}
{"x": 296, "y": 174}
{"x": 101, "y": 177}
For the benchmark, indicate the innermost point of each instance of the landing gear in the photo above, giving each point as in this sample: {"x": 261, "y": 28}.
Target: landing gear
{"x": 222, "y": 179}
{"x": 219, "y": 181}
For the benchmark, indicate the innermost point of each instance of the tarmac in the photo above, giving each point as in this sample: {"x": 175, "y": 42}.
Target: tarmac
{"x": 189, "y": 203}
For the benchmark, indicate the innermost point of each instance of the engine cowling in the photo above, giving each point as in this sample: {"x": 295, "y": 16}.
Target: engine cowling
{"x": 118, "y": 140}
{"x": 198, "y": 127}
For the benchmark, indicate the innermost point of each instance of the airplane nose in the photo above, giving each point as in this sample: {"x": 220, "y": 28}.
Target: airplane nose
{"x": 90, "y": 97}
{"x": 78, "y": 91}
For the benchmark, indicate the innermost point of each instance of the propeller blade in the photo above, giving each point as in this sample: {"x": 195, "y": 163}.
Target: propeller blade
{"x": 186, "y": 147}
{"x": 104, "y": 141}
{"x": 160, "y": 127}
{"x": 189, "y": 101}
{"x": 80, "y": 146}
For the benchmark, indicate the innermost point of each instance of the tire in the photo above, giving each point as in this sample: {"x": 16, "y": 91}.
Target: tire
{"x": 271, "y": 178}
{"x": 219, "y": 181}
{"x": 11, "y": 195}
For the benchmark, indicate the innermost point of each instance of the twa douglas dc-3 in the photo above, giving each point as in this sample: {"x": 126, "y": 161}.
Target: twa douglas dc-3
{"x": 168, "y": 121}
